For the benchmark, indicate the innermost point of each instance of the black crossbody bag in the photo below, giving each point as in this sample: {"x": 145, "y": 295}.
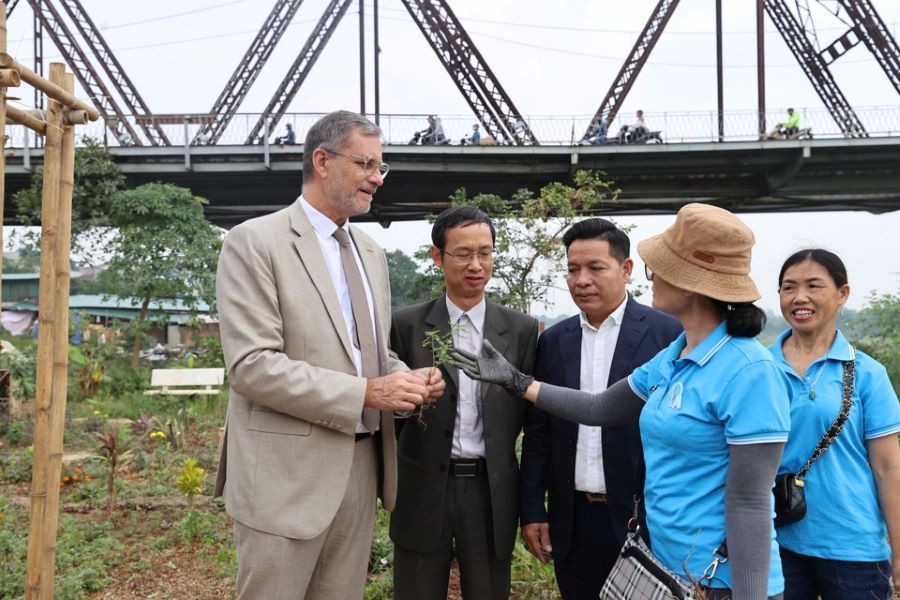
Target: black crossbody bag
{"x": 790, "y": 498}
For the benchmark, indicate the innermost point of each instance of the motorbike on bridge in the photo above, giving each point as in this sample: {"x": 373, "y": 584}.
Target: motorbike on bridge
{"x": 630, "y": 134}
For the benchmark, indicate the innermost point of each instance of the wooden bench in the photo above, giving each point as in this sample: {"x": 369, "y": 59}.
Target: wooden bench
{"x": 186, "y": 382}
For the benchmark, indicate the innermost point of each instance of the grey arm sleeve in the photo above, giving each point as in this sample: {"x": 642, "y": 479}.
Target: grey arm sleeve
{"x": 616, "y": 405}
{"x": 748, "y": 516}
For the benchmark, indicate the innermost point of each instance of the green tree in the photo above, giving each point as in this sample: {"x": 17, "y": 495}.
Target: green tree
{"x": 408, "y": 285}
{"x": 529, "y": 252}
{"x": 161, "y": 246}
{"x": 97, "y": 180}
{"x": 877, "y": 329}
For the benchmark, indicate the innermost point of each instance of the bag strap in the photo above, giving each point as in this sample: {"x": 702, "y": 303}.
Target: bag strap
{"x": 838, "y": 425}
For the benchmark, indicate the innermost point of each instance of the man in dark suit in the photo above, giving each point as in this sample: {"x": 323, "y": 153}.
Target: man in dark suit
{"x": 591, "y": 473}
{"x": 458, "y": 477}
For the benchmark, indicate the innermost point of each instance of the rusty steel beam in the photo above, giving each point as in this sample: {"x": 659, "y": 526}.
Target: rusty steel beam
{"x": 38, "y": 58}
{"x": 133, "y": 101}
{"x": 247, "y": 71}
{"x": 100, "y": 95}
{"x": 470, "y": 72}
{"x": 10, "y": 6}
{"x": 874, "y": 33}
{"x": 815, "y": 68}
{"x": 298, "y": 71}
{"x": 840, "y": 46}
{"x": 635, "y": 61}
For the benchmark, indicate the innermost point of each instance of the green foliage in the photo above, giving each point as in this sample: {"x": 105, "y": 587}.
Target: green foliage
{"x": 408, "y": 285}
{"x": 208, "y": 353}
{"x": 531, "y": 579}
{"x": 198, "y": 527}
{"x": 528, "y": 253}
{"x": 162, "y": 247}
{"x": 22, "y": 367}
{"x": 97, "y": 180}
{"x": 15, "y": 466}
{"x": 877, "y": 329}
{"x": 191, "y": 480}
{"x": 84, "y": 555}
{"x": 14, "y": 432}
{"x": 27, "y": 261}
{"x": 88, "y": 362}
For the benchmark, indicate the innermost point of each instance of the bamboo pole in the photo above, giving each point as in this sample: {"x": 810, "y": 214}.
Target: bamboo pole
{"x": 52, "y": 90}
{"x": 9, "y": 77}
{"x": 59, "y": 385}
{"x": 24, "y": 117}
{"x": 35, "y": 585}
{"x": 36, "y": 120}
{"x": 2, "y": 143}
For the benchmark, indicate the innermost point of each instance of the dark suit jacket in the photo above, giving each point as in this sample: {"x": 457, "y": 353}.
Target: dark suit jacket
{"x": 423, "y": 454}
{"x": 548, "y": 449}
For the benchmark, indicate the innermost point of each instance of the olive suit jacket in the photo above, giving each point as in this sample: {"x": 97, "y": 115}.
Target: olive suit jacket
{"x": 295, "y": 397}
{"x": 423, "y": 454}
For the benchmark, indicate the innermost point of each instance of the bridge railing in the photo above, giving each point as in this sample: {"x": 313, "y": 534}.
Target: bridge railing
{"x": 676, "y": 127}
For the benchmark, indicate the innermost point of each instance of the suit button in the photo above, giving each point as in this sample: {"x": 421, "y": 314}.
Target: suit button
{"x": 448, "y": 433}
{"x": 569, "y": 480}
{"x": 443, "y": 468}
{"x": 571, "y": 439}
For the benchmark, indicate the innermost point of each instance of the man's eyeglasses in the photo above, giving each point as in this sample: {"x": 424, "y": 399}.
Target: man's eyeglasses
{"x": 368, "y": 163}
{"x": 464, "y": 257}
{"x": 648, "y": 272}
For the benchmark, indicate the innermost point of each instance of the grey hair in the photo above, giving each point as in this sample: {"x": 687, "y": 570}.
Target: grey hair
{"x": 332, "y": 131}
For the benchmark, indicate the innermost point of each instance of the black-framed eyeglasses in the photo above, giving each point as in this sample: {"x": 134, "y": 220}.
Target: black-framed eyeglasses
{"x": 368, "y": 163}
{"x": 464, "y": 257}
{"x": 648, "y": 272}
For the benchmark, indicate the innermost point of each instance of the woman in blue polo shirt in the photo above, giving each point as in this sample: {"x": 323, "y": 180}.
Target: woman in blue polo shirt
{"x": 713, "y": 407}
{"x": 839, "y": 549}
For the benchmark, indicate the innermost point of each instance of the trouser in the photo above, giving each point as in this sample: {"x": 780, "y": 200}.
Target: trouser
{"x": 467, "y": 532}
{"x": 592, "y": 553}
{"x": 330, "y": 566}
{"x": 808, "y": 578}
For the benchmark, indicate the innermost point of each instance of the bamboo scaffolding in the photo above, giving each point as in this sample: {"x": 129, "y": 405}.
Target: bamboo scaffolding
{"x": 52, "y": 90}
{"x": 56, "y": 124}
{"x": 48, "y": 327}
{"x": 3, "y": 87}
{"x": 23, "y": 117}
{"x": 59, "y": 381}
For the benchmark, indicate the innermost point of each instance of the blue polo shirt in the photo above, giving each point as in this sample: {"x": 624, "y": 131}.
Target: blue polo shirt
{"x": 727, "y": 390}
{"x": 843, "y": 517}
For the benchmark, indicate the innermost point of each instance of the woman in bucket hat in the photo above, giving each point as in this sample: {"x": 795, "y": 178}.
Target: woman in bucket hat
{"x": 839, "y": 549}
{"x": 713, "y": 407}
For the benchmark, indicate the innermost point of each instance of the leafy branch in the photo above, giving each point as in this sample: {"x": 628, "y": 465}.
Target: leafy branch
{"x": 440, "y": 344}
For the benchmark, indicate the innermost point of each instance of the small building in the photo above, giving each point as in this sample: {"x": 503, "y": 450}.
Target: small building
{"x": 174, "y": 322}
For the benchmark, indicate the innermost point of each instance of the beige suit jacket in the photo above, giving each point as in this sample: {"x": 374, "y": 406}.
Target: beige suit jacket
{"x": 295, "y": 397}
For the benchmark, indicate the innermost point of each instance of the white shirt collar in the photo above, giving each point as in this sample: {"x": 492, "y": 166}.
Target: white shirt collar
{"x": 476, "y": 313}
{"x": 324, "y": 226}
{"x": 616, "y": 316}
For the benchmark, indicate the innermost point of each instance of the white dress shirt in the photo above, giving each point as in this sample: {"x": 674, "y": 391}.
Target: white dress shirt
{"x": 468, "y": 432}
{"x": 598, "y": 344}
{"x": 331, "y": 252}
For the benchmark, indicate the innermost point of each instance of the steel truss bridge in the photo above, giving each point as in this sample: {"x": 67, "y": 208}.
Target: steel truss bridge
{"x": 227, "y": 156}
{"x": 769, "y": 176}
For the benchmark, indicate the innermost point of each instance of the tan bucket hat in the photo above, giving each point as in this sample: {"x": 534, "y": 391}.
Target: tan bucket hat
{"x": 707, "y": 251}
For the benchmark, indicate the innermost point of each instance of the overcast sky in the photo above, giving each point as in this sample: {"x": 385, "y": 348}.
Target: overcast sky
{"x": 553, "y": 58}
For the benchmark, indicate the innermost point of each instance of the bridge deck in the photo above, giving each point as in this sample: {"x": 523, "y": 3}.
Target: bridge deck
{"x": 770, "y": 176}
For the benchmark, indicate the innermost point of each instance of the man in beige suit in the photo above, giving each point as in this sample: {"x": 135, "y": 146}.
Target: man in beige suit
{"x": 304, "y": 306}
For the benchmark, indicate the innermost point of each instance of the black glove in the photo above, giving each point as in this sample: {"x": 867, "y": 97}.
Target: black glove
{"x": 491, "y": 367}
